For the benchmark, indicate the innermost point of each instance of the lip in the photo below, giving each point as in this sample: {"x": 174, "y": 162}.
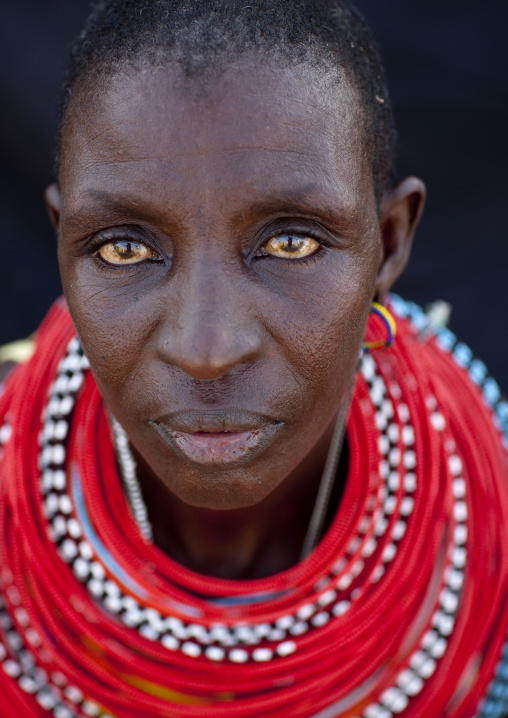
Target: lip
{"x": 216, "y": 437}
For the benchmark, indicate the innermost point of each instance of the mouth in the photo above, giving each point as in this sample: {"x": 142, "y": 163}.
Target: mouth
{"x": 216, "y": 438}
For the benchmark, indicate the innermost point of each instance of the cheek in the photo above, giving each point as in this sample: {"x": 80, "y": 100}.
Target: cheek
{"x": 320, "y": 318}
{"x": 111, "y": 320}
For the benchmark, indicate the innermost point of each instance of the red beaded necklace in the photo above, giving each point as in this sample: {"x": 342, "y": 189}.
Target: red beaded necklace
{"x": 401, "y": 608}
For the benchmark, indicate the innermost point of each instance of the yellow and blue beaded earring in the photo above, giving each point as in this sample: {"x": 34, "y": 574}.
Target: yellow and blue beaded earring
{"x": 388, "y": 321}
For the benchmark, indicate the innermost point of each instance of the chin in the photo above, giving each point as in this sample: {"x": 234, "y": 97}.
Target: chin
{"x": 221, "y": 491}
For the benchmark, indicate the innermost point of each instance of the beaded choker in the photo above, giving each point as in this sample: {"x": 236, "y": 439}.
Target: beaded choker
{"x": 399, "y": 610}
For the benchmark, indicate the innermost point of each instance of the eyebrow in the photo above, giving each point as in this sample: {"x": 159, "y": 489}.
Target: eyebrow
{"x": 114, "y": 206}
{"x": 328, "y": 211}
{"x": 310, "y": 198}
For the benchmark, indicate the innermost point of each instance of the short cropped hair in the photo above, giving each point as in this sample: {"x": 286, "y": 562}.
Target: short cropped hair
{"x": 202, "y": 34}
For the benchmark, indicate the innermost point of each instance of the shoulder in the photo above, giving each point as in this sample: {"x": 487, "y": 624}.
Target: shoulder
{"x": 14, "y": 353}
{"x": 449, "y": 366}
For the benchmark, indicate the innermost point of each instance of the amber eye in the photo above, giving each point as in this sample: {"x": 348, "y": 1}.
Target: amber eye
{"x": 125, "y": 251}
{"x": 289, "y": 246}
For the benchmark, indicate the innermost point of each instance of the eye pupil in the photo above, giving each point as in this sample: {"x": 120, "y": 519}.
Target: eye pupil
{"x": 124, "y": 249}
{"x": 293, "y": 245}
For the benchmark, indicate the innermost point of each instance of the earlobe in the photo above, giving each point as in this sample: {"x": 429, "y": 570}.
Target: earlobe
{"x": 400, "y": 214}
{"x": 53, "y": 202}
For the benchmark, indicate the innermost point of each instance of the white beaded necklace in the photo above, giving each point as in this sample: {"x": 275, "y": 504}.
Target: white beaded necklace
{"x": 127, "y": 465}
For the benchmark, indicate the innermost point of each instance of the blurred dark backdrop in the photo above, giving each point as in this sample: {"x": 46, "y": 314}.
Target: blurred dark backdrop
{"x": 447, "y": 64}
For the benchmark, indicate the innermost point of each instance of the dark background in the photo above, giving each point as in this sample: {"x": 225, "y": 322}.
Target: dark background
{"x": 447, "y": 64}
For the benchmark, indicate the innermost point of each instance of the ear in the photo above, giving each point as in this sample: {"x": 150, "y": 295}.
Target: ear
{"x": 53, "y": 203}
{"x": 401, "y": 210}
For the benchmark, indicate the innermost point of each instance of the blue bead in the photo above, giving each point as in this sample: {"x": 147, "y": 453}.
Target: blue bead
{"x": 399, "y": 305}
{"x": 463, "y": 355}
{"x": 478, "y": 371}
{"x": 446, "y": 339}
{"x": 502, "y": 411}
{"x": 491, "y": 709}
{"x": 491, "y": 391}
{"x": 502, "y": 672}
{"x": 496, "y": 691}
{"x": 418, "y": 316}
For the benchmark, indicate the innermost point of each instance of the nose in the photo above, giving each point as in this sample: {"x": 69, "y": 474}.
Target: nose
{"x": 210, "y": 324}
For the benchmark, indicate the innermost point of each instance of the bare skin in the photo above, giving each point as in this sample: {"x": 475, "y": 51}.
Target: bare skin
{"x": 219, "y": 252}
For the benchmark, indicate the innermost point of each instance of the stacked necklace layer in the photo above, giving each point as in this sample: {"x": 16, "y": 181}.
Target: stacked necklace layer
{"x": 401, "y": 609}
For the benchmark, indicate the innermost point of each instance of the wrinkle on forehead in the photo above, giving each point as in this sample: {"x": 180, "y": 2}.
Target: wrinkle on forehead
{"x": 146, "y": 127}
{"x": 282, "y": 95}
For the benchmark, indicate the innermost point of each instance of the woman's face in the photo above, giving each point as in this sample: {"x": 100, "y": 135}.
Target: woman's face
{"x": 219, "y": 247}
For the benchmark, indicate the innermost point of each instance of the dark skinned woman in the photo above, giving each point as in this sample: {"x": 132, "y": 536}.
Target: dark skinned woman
{"x": 237, "y": 477}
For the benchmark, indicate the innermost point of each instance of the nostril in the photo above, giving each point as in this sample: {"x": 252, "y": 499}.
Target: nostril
{"x": 208, "y": 354}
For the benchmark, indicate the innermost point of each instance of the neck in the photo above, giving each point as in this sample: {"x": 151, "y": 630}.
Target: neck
{"x": 244, "y": 543}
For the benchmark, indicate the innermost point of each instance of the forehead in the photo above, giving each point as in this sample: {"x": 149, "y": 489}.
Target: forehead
{"x": 250, "y": 128}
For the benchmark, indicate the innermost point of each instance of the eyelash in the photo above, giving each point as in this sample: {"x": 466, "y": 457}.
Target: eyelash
{"x": 301, "y": 260}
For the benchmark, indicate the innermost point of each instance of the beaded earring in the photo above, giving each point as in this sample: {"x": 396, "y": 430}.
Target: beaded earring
{"x": 388, "y": 321}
